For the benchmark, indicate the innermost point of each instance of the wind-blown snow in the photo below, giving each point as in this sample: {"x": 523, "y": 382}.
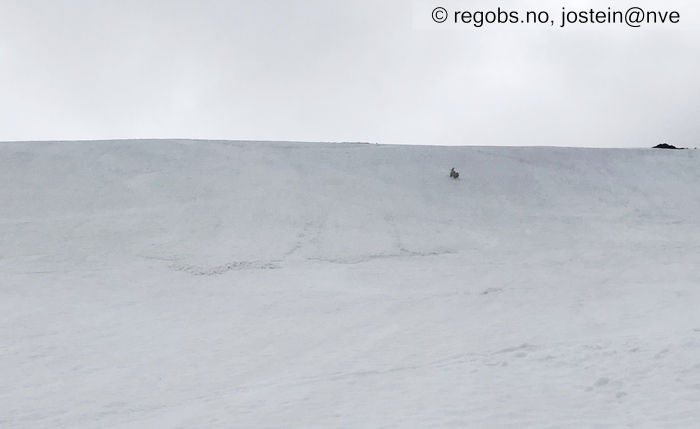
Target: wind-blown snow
{"x": 165, "y": 284}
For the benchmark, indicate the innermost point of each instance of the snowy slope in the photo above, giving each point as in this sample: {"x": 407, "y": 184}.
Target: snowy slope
{"x": 163, "y": 284}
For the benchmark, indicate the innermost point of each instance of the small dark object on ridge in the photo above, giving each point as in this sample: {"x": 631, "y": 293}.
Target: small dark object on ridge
{"x": 665, "y": 146}
{"x": 454, "y": 174}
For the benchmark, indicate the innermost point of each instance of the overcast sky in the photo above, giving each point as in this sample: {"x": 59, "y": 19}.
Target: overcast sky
{"x": 343, "y": 70}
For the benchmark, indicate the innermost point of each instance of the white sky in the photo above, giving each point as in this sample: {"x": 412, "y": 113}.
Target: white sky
{"x": 331, "y": 70}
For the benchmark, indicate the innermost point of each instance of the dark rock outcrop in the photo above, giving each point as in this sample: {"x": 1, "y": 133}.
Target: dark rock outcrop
{"x": 666, "y": 146}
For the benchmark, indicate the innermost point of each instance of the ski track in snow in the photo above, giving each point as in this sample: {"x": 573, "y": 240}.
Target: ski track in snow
{"x": 166, "y": 284}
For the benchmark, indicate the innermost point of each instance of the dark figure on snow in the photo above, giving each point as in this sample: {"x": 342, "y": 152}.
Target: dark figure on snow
{"x": 454, "y": 174}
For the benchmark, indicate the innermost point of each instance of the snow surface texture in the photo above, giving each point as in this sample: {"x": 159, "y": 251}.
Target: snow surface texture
{"x": 183, "y": 284}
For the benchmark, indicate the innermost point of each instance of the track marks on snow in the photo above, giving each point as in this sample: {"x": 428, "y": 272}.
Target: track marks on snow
{"x": 310, "y": 235}
{"x": 360, "y": 258}
{"x": 215, "y": 269}
{"x": 211, "y": 270}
